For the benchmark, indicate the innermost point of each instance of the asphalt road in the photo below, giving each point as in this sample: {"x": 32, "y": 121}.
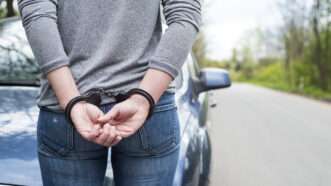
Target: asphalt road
{"x": 262, "y": 137}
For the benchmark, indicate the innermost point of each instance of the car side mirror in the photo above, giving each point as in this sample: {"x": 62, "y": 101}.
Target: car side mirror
{"x": 213, "y": 78}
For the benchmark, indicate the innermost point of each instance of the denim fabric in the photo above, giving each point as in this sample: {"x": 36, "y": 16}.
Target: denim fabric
{"x": 148, "y": 157}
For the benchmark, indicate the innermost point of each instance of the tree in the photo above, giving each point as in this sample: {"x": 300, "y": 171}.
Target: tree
{"x": 10, "y": 8}
{"x": 321, "y": 13}
{"x": 294, "y": 34}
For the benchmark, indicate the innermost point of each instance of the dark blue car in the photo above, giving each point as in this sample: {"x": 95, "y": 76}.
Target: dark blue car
{"x": 19, "y": 80}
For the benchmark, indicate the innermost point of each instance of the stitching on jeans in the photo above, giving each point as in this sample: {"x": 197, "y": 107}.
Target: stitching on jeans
{"x": 71, "y": 137}
{"x": 157, "y": 155}
{"x": 49, "y": 151}
{"x": 164, "y": 107}
{"x": 168, "y": 143}
{"x": 49, "y": 144}
{"x": 142, "y": 137}
{"x": 176, "y": 129}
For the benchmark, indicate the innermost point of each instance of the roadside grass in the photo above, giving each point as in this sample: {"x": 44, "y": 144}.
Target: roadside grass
{"x": 273, "y": 76}
{"x": 311, "y": 92}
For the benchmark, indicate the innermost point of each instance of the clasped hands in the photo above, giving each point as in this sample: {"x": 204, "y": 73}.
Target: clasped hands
{"x": 107, "y": 129}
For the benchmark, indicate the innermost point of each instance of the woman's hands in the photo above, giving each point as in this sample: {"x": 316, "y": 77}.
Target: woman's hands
{"x": 123, "y": 120}
{"x": 127, "y": 116}
{"x": 84, "y": 116}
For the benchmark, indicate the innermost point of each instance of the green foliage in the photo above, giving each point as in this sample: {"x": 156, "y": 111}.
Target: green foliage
{"x": 273, "y": 73}
{"x": 7, "y": 11}
{"x": 274, "y": 76}
{"x": 247, "y": 69}
{"x": 304, "y": 74}
{"x": 2, "y": 12}
{"x": 305, "y": 67}
{"x": 215, "y": 63}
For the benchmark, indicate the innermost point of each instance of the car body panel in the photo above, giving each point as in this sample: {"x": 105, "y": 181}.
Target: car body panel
{"x": 18, "y": 153}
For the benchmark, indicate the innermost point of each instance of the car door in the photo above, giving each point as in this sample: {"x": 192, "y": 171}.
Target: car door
{"x": 188, "y": 109}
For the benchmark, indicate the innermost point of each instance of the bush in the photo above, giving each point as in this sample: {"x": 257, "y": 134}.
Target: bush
{"x": 274, "y": 76}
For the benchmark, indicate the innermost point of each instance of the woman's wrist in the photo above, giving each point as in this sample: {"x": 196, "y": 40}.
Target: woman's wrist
{"x": 155, "y": 82}
{"x": 141, "y": 100}
{"x": 63, "y": 85}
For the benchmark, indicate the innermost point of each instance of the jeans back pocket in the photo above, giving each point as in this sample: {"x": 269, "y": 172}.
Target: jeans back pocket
{"x": 55, "y": 134}
{"x": 159, "y": 134}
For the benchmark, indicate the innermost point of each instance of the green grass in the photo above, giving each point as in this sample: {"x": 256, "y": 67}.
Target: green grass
{"x": 311, "y": 92}
{"x": 273, "y": 76}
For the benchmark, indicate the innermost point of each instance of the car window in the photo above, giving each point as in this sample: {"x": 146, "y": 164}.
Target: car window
{"x": 16, "y": 58}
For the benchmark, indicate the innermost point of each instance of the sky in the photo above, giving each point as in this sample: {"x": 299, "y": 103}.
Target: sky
{"x": 227, "y": 21}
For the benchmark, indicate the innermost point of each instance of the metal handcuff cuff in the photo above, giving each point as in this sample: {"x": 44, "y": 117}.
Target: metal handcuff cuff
{"x": 94, "y": 97}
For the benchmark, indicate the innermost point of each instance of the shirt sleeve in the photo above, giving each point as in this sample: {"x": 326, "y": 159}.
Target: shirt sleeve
{"x": 39, "y": 19}
{"x": 183, "y": 18}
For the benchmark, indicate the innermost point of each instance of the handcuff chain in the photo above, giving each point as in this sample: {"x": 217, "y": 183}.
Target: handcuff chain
{"x": 119, "y": 96}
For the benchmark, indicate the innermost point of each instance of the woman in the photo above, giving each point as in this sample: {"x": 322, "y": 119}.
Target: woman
{"x": 113, "y": 46}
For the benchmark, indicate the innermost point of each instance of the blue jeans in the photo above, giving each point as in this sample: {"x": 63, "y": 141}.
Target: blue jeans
{"x": 148, "y": 157}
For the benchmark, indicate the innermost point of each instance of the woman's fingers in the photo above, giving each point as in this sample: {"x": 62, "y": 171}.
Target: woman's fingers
{"x": 104, "y": 136}
{"x": 87, "y": 130}
{"x": 125, "y": 128}
{"x": 88, "y": 135}
{"x": 119, "y": 113}
{"x": 116, "y": 140}
{"x": 112, "y": 136}
{"x": 109, "y": 136}
{"x": 111, "y": 115}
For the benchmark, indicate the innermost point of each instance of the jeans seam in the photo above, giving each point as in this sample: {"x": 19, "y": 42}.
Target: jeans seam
{"x": 45, "y": 149}
{"x": 48, "y": 151}
{"x": 170, "y": 150}
{"x": 143, "y": 141}
{"x": 71, "y": 138}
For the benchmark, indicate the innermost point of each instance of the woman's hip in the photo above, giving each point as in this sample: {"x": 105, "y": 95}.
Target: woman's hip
{"x": 159, "y": 135}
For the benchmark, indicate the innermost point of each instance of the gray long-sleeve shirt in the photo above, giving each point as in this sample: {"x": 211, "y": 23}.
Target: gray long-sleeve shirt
{"x": 108, "y": 43}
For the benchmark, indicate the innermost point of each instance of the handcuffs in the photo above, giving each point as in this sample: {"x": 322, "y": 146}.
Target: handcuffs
{"x": 94, "y": 97}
